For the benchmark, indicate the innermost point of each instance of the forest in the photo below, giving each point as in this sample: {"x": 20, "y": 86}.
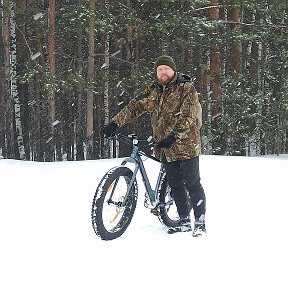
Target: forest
{"x": 67, "y": 67}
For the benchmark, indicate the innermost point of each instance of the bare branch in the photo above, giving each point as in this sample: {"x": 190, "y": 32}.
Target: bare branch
{"x": 30, "y": 51}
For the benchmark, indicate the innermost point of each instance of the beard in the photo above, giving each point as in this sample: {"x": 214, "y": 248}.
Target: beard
{"x": 165, "y": 79}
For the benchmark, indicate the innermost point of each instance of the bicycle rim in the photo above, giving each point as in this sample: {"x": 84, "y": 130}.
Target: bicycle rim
{"x": 111, "y": 215}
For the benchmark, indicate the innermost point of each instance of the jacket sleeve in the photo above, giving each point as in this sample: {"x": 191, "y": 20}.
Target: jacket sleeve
{"x": 187, "y": 118}
{"x": 134, "y": 109}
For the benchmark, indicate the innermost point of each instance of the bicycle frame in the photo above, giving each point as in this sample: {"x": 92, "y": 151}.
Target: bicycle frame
{"x": 135, "y": 158}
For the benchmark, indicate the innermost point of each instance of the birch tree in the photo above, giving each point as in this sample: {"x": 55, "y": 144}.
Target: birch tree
{"x": 14, "y": 88}
{"x": 236, "y": 52}
{"x": 106, "y": 64}
{"x": 13, "y": 126}
{"x": 23, "y": 55}
{"x": 8, "y": 114}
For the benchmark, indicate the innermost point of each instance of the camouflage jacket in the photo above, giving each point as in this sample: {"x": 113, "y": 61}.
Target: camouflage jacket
{"x": 173, "y": 112}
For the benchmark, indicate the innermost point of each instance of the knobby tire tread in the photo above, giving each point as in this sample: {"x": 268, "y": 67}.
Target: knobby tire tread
{"x": 98, "y": 203}
{"x": 163, "y": 215}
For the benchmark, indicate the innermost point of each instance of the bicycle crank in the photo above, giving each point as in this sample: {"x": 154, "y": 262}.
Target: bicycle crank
{"x": 155, "y": 211}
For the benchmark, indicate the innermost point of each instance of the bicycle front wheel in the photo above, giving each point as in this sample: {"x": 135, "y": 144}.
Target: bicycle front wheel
{"x": 113, "y": 206}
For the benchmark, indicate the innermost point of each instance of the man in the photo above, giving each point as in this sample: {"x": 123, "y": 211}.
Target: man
{"x": 173, "y": 104}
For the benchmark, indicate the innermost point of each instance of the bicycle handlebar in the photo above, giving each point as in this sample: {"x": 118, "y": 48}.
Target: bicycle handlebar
{"x": 130, "y": 139}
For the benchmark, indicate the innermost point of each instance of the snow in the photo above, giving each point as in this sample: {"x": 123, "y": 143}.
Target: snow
{"x": 47, "y": 238}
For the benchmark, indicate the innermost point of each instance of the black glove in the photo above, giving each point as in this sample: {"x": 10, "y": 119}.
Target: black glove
{"x": 110, "y": 129}
{"x": 166, "y": 142}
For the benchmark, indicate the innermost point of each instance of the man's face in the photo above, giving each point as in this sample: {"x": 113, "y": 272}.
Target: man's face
{"x": 164, "y": 74}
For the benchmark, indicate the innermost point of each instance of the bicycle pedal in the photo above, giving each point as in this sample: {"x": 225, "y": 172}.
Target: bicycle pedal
{"x": 154, "y": 211}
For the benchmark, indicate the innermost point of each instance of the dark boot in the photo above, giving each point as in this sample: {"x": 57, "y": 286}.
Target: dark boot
{"x": 199, "y": 227}
{"x": 183, "y": 226}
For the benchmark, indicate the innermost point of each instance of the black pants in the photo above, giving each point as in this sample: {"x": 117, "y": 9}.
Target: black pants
{"x": 183, "y": 176}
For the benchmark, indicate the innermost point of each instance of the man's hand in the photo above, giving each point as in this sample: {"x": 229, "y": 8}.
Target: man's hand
{"x": 166, "y": 142}
{"x": 110, "y": 129}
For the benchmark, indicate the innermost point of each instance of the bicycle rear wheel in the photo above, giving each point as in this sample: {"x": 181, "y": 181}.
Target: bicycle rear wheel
{"x": 168, "y": 214}
{"x": 110, "y": 214}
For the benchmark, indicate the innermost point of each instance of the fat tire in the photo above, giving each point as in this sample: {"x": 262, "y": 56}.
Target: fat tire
{"x": 99, "y": 203}
{"x": 163, "y": 215}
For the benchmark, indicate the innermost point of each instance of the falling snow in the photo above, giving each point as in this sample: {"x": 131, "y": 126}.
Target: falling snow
{"x": 47, "y": 238}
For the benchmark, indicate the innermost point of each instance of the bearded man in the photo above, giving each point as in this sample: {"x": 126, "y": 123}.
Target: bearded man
{"x": 175, "y": 111}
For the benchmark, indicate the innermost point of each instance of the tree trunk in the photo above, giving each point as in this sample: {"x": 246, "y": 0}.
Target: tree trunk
{"x": 79, "y": 118}
{"x": 105, "y": 152}
{"x": 234, "y": 19}
{"x": 40, "y": 132}
{"x": 20, "y": 152}
{"x": 22, "y": 88}
{"x": 235, "y": 140}
{"x": 214, "y": 63}
{"x": 253, "y": 144}
{"x": 126, "y": 47}
{"x": 38, "y": 135}
{"x": 2, "y": 102}
{"x": 276, "y": 86}
{"x": 51, "y": 93}
{"x": 9, "y": 115}
{"x": 90, "y": 93}
{"x": 214, "y": 97}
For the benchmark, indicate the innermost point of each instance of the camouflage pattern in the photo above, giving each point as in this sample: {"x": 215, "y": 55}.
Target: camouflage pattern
{"x": 172, "y": 112}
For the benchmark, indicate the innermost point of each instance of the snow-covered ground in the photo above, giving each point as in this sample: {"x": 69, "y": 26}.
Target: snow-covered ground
{"x": 47, "y": 238}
